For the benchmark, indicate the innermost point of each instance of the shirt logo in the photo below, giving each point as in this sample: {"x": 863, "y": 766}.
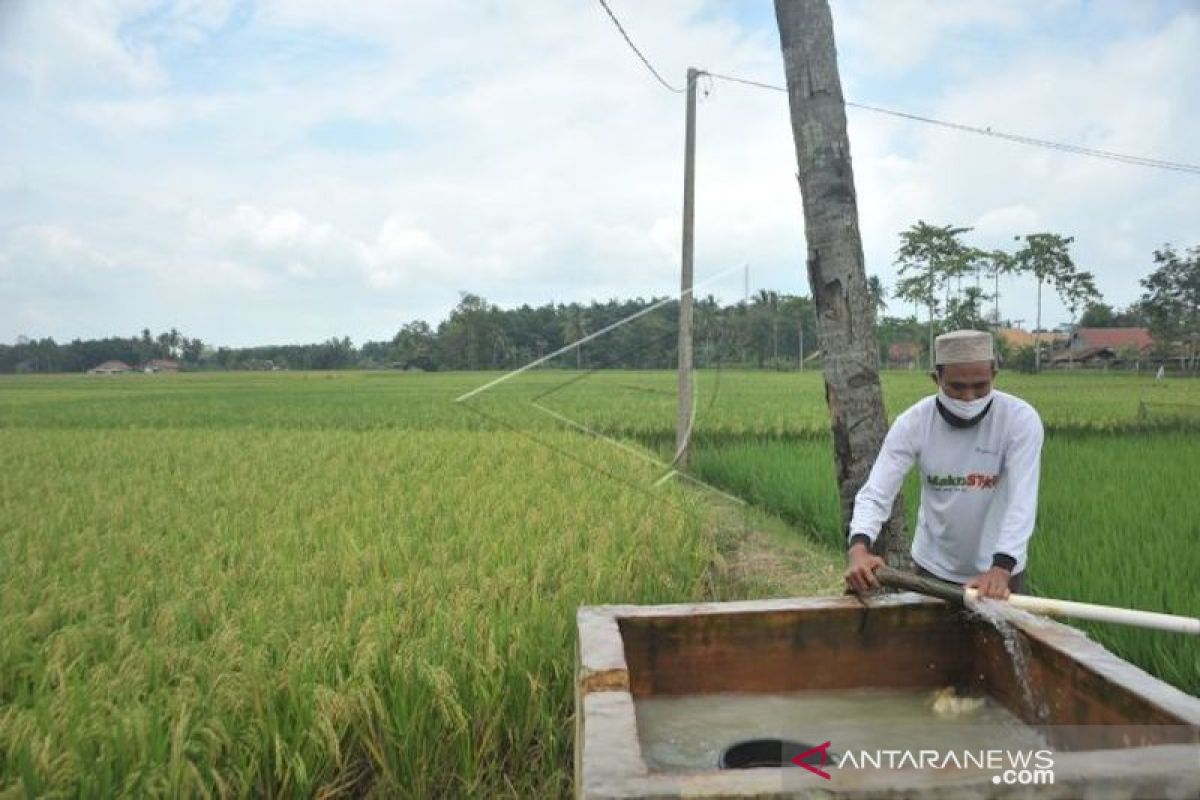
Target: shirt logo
{"x": 972, "y": 480}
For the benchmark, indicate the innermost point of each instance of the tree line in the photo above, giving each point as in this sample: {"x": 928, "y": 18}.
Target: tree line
{"x": 769, "y": 330}
{"x": 939, "y": 273}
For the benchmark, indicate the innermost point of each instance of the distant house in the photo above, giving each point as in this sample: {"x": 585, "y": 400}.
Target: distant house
{"x": 1016, "y": 338}
{"x": 1089, "y": 357}
{"x": 1115, "y": 339}
{"x": 160, "y": 365}
{"x": 259, "y": 364}
{"x": 903, "y": 354}
{"x": 110, "y": 368}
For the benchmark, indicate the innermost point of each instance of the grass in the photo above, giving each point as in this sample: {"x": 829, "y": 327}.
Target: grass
{"x": 347, "y": 584}
{"x": 1119, "y": 525}
{"x": 281, "y": 614}
{"x": 1118, "y": 522}
{"x": 730, "y": 404}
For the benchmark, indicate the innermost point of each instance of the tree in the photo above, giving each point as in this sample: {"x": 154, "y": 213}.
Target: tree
{"x": 1079, "y": 291}
{"x": 966, "y": 310}
{"x": 764, "y": 326}
{"x": 929, "y": 257}
{"x": 464, "y": 336}
{"x": 1047, "y": 257}
{"x": 835, "y": 256}
{"x": 1098, "y": 315}
{"x": 191, "y": 350}
{"x": 995, "y": 263}
{"x": 1172, "y": 300}
{"x": 878, "y": 295}
{"x": 413, "y": 346}
{"x": 574, "y": 328}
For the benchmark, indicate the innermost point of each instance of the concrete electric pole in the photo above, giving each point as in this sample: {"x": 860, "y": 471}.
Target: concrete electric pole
{"x": 683, "y": 416}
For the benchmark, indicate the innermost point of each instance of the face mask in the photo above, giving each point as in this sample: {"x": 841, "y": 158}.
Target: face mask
{"x": 964, "y": 409}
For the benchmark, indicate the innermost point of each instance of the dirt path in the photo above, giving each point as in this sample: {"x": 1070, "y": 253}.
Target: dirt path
{"x": 762, "y": 556}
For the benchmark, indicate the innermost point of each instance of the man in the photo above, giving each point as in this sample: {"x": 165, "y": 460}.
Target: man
{"x": 979, "y": 455}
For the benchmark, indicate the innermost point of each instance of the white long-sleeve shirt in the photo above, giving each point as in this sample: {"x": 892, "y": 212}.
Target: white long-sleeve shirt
{"x": 979, "y": 486}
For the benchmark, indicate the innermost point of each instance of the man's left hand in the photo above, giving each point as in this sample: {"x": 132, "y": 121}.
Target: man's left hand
{"x": 993, "y": 583}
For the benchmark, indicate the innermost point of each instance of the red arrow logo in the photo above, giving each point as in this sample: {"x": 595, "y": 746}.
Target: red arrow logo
{"x": 823, "y": 749}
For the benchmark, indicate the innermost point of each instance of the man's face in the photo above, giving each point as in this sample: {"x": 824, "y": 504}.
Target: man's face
{"x": 966, "y": 381}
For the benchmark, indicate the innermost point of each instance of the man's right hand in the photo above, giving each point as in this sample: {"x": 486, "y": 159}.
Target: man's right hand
{"x": 860, "y": 576}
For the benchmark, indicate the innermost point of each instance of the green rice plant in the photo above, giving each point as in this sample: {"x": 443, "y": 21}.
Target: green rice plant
{"x": 1118, "y": 525}
{"x": 230, "y": 612}
{"x": 347, "y": 583}
{"x": 632, "y": 404}
{"x": 1118, "y": 522}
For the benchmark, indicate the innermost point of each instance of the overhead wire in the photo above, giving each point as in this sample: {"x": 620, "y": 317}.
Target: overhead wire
{"x": 1109, "y": 155}
{"x": 635, "y": 49}
{"x": 1124, "y": 158}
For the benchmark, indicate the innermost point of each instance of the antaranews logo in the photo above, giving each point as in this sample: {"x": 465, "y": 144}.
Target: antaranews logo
{"x": 972, "y": 480}
{"x": 802, "y": 760}
{"x": 1012, "y": 767}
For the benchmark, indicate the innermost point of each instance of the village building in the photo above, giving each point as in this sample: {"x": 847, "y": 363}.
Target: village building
{"x": 161, "y": 365}
{"x": 1105, "y": 347}
{"x": 110, "y": 368}
{"x": 1016, "y": 338}
{"x": 903, "y": 354}
{"x": 1114, "y": 338}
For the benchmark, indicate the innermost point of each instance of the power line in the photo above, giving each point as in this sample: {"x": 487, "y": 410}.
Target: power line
{"x": 1062, "y": 147}
{"x": 1123, "y": 158}
{"x": 633, "y": 47}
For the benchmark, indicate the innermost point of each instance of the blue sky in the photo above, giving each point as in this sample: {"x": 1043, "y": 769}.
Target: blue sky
{"x": 290, "y": 170}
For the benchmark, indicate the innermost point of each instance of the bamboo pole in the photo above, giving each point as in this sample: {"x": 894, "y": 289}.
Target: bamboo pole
{"x": 1047, "y": 606}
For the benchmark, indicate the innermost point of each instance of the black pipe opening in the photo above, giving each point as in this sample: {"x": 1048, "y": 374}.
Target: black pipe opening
{"x": 769, "y": 753}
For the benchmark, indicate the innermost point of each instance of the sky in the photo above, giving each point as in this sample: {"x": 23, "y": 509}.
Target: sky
{"x": 273, "y": 171}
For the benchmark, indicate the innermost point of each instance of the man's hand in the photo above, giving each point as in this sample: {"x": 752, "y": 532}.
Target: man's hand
{"x": 860, "y": 576}
{"x": 993, "y": 583}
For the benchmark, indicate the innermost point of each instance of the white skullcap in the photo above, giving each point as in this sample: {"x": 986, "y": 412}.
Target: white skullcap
{"x": 962, "y": 347}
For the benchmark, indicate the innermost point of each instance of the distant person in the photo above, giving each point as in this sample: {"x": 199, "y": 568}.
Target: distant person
{"x": 979, "y": 452}
{"x": 1162, "y": 372}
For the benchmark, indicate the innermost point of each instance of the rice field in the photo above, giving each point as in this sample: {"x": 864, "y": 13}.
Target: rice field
{"x": 346, "y": 584}
{"x": 1118, "y": 522}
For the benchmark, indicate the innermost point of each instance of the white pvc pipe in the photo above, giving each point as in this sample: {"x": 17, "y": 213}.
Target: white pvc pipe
{"x": 1089, "y": 611}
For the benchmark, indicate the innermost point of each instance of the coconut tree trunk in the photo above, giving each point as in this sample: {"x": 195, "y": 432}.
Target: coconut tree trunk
{"x": 836, "y": 273}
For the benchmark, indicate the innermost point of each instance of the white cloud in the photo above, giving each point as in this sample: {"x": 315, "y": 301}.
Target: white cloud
{"x": 899, "y": 34}
{"x": 280, "y": 229}
{"x": 59, "y": 45}
{"x": 528, "y": 155}
{"x": 400, "y": 254}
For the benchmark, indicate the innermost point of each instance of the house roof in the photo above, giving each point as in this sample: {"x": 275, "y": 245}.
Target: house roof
{"x": 1018, "y": 337}
{"x": 1115, "y": 338}
{"x": 903, "y": 350}
{"x": 1084, "y": 355}
{"x": 163, "y": 363}
{"x": 1015, "y": 336}
{"x": 110, "y": 365}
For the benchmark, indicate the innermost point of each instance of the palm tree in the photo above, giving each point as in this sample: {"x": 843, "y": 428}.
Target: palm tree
{"x": 574, "y": 328}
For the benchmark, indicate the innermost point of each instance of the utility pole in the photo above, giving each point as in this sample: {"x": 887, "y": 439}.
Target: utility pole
{"x": 683, "y": 414}
{"x": 836, "y": 273}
